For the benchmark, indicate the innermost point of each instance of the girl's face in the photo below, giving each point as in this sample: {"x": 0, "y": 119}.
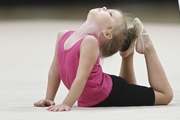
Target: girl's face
{"x": 105, "y": 18}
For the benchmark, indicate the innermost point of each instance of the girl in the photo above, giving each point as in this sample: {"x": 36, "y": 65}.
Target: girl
{"x": 76, "y": 63}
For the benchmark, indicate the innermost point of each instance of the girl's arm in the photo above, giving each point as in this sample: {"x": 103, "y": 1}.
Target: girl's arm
{"x": 89, "y": 53}
{"x": 53, "y": 80}
{"x": 53, "y": 76}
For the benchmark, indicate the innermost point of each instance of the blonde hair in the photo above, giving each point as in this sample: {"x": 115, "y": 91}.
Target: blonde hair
{"x": 122, "y": 38}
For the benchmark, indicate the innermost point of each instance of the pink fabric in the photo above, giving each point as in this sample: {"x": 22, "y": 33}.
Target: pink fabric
{"x": 98, "y": 85}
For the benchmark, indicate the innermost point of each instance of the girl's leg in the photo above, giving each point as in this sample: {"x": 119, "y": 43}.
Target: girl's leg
{"x": 156, "y": 74}
{"x": 127, "y": 68}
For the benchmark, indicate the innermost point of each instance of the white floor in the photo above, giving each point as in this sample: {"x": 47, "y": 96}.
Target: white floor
{"x": 26, "y": 51}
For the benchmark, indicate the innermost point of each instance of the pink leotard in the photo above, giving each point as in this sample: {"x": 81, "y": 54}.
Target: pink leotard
{"x": 99, "y": 84}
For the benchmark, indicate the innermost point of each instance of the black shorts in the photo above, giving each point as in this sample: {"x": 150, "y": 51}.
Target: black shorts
{"x": 125, "y": 94}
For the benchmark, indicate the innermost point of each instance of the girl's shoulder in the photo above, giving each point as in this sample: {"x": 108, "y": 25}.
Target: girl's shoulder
{"x": 60, "y": 34}
{"x": 90, "y": 42}
{"x": 90, "y": 39}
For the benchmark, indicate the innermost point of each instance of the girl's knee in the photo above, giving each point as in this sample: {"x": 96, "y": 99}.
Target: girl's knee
{"x": 169, "y": 97}
{"x": 163, "y": 98}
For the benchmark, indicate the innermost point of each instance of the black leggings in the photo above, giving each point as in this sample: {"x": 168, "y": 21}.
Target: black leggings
{"x": 125, "y": 94}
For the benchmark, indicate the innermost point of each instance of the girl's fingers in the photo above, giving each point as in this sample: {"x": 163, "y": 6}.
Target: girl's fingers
{"x": 67, "y": 109}
{"x": 44, "y": 103}
{"x": 58, "y": 108}
{"x": 41, "y": 104}
{"x": 50, "y": 109}
{"x": 35, "y": 104}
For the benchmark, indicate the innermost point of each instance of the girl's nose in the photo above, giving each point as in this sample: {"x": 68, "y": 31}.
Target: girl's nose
{"x": 104, "y": 8}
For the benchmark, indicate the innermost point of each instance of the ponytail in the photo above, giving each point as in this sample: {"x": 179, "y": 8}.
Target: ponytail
{"x": 129, "y": 39}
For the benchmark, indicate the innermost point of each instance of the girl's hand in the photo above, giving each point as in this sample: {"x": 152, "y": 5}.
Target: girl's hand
{"x": 44, "y": 103}
{"x": 59, "y": 108}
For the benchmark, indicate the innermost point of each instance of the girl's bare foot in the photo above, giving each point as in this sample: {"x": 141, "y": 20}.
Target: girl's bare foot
{"x": 143, "y": 43}
{"x": 143, "y": 40}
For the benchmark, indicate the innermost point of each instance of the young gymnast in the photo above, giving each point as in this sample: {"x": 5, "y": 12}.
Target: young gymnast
{"x": 76, "y": 64}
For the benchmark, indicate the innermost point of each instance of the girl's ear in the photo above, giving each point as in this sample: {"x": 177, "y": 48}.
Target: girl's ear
{"x": 107, "y": 34}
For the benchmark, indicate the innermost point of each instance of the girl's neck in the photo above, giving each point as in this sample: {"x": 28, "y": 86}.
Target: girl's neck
{"x": 86, "y": 29}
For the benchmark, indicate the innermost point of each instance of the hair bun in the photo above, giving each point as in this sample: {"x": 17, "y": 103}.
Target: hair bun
{"x": 127, "y": 43}
{"x": 129, "y": 39}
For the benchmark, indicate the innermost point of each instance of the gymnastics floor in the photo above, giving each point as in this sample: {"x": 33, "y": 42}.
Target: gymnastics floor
{"x": 26, "y": 52}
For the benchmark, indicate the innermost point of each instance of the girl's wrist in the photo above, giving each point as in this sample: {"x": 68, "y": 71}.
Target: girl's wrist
{"x": 67, "y": 104}
{"x": 49, "y": 99}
